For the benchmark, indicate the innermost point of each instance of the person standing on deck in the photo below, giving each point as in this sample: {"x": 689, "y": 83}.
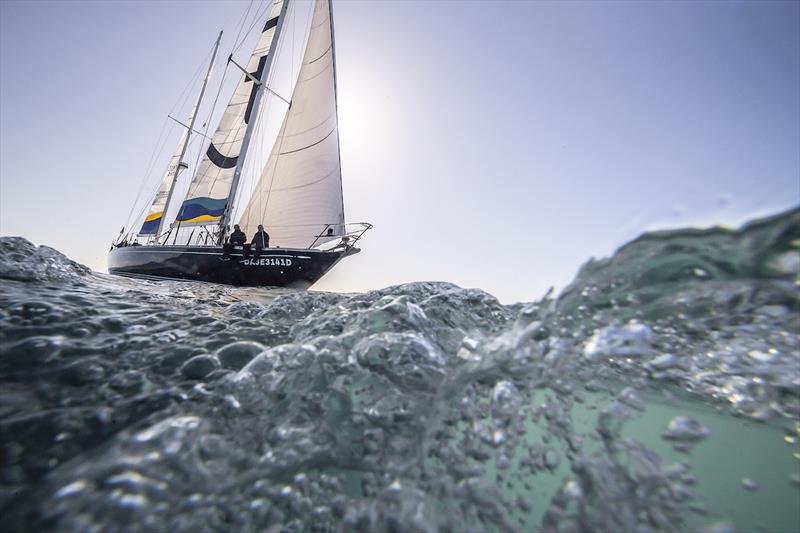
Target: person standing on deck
{"x": 261, "y": 238}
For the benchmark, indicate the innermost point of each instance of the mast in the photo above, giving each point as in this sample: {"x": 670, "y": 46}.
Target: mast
{"x": 249, "y": 130}
{"x": 189, "y": 131}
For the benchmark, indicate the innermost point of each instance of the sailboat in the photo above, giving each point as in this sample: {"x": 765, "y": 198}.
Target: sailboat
{"x": 288, "y": 180}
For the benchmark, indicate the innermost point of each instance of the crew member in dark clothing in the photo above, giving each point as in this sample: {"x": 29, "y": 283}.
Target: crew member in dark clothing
{"x": 261, "y": 238}
{"x": 238, "y": 237}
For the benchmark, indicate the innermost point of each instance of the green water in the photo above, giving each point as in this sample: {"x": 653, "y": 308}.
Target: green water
{"x": 737, "y": 449}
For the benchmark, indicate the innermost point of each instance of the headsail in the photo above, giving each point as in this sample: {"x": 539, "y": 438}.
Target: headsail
{"x": 299, "y": 193}
{"x": 152, "y": 222}
{"x": 208, "y": 193}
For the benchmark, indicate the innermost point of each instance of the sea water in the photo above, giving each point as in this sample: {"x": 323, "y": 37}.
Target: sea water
{"x": 659, "y": 392}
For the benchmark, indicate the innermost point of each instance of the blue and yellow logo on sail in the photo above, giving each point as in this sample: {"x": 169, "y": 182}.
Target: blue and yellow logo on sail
{"x": 199, "y": 210}
{"x": 151, "y": 223}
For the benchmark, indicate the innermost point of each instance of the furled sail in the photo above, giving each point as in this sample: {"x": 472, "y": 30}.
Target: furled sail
{"x": 152, "y": 222}
{"x": 299, "y": 193}
{"x": 208, "y": 193}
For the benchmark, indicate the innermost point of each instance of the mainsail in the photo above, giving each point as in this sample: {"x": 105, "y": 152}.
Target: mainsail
{"x": 298, "y": 195}
{"x": 208, "y": 193}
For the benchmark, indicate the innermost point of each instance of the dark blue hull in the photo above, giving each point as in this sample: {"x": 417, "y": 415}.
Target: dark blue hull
{"x": 273, "y": 267}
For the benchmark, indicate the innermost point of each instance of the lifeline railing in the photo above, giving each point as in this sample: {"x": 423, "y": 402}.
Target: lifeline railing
{"x": 349, "y": 238}
{"x": 352, "y": 233}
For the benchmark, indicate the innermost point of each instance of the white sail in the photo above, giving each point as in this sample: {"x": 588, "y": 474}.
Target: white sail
{"x": 298, "y": 195}
{"x": 152, "y": 221}
{"x": 208, "y": 193}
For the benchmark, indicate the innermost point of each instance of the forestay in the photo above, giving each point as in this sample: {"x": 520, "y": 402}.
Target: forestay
{"x": 298, "y": 195}
{"x": 208, "y": 193}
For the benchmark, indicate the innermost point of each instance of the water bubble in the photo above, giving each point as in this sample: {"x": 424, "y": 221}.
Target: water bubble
{"x": 573, "y": 489}
{"x": 73, "y": 488}
{"x": 749, "y": 484}
{"x": 505, "y": 402}
{"x": 232, "y": 401}
{"x": 552, "y": 458}
{"x": 524, "y": 504}
{"x": 237, "y": 354}
{"x": 610, "y": 421}
{"x": 664, "y": 361}
{"x": 468, "y": 349}
{"x": 763, "y": 356}
{"x": 33, "y": 350}
{"x": 685, "y": 429}
{"x": 629, "y": 340}
{"x": 785, "y": 264}
{"x": 200, "y": 366}
{"x": 719, "y": 527}
{"x": 773, "y": 311}
{"x": 631, "y": 398}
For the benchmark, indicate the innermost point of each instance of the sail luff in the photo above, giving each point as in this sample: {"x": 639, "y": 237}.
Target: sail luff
{"x": 249, "y": 130}
{"x": 189, "y": 131}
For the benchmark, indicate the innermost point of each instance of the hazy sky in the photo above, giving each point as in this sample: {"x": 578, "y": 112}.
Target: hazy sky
{"x": 493, "y": 144}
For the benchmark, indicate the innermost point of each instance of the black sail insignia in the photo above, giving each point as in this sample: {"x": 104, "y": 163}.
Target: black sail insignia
{"x": 257, "y": 75}
{"x": 220, "y": 160}
{"x": 271, "y": 23}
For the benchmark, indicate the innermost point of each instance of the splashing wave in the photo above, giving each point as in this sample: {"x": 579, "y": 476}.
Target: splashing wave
{"x": 422, "y": 407}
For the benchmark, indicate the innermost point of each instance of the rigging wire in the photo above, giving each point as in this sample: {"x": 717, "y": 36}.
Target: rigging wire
{"x": 241, "y": 22}
{"x": 157, "y": 148}
{"x": 256, "y": 19}
{"x": 179, "y": 104}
